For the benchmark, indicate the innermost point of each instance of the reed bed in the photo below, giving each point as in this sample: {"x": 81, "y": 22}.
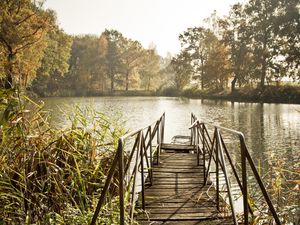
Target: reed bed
{"x": 50, "y": 175}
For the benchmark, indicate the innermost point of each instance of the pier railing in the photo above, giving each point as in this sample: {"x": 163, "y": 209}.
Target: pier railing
{"x": 136, "y": 160}
{"x": 213, "y": 149}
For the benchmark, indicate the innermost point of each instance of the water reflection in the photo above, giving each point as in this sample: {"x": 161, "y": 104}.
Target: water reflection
{"x": 268, "y": 127}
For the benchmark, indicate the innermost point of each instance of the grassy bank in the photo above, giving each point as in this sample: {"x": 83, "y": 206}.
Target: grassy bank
{"x": 54, "y": 176}
{"x": 73, "y": 93}
{"x": 271, "y": 94}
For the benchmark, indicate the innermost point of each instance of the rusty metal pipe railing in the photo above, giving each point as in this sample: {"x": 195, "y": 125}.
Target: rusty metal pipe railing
{"x": 144, "y": 138}
{"x": 222, "y": 158}
{"x": 215, "y": 145}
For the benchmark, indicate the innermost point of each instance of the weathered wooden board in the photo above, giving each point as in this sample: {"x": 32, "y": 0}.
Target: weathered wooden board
{"x": 195, "y": 222}
{"x": 178, "y": 194}
{"x": 177, "y": 146}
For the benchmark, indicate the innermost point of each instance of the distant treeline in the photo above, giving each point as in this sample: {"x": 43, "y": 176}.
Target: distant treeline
{"x": 256, "y": 44}
{"x": 103, "y": 65}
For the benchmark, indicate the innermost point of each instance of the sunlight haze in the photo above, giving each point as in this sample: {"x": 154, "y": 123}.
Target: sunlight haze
{"x": 148, "y": 21}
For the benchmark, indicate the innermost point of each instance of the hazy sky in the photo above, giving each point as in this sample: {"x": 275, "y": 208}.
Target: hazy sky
{"x": 148, "y": 21}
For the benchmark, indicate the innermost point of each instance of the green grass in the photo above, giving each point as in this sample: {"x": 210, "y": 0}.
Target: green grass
{"x": 271, "y": 94}
{"x": 52, "y": 176}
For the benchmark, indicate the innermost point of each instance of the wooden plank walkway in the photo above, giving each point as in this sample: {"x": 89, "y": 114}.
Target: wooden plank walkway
{"x": 178, "y": 194}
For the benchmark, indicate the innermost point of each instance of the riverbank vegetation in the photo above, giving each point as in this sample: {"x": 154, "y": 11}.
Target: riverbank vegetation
{"x": 250, "y": 54}
{"x": 55, "y": 175}
{"x": 50, "y": 175}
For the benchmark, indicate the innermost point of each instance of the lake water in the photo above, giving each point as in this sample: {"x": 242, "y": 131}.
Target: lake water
{"x": 272, "y": 131}
{"x": 267, "y": 127}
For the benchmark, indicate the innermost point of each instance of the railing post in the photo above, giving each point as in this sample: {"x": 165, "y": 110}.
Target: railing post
{"x": 244, "y": 180}
{"x": 134, "y": 178}
{"x": 192, "y": 128}
{"x": 196, "y": 143}
{"x": 245, "y": 156}
{"x": 195, "y": 135}
{"x": 151, "y": 159}
{"x": 262, "y": 187}
{"x": 158, "y": 143}
{"x": 121, "y": 181}
{"x": 142, "y": 169}
{"x": 203, "y": 149}
{"x": 222, "y": 159}
{"x": 105, "y": 188}
{"x": 163, "y": 128}
{"x": 217, "y": 171}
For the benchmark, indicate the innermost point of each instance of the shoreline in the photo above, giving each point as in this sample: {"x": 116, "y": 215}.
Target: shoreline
{"x": 272, "y": 94}
{"x": 245, "y": 99}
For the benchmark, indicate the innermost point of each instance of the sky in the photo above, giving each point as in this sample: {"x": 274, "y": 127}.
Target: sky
{"x": 156, "y": 22}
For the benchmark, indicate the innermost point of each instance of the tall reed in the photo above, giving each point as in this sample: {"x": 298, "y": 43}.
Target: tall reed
{"x": 50, "y": 175}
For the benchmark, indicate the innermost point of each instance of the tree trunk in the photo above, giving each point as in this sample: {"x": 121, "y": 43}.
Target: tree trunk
{"x": 9, "y": 71}
{"x": 263, "y": 73}
{"x": 127, "y": 80}
{"x": 233, "y": 82}
{"x": 202, "y": 75}
{"x": 112, "y": 84}
{"x": 148, "y": 86}
{"x": 264, "y": 65}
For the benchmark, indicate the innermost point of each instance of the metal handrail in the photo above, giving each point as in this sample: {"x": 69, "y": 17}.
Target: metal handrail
{"x": 215, "y": 148}
{"x": 142, "y": 148}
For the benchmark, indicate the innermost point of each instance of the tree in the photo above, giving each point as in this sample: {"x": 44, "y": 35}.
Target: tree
{"x": 217, "y": 67}
{"x": 235, "y": 37}
{"x": 263, "y": 39}
{"x": 132, "y": 55}
{"x": 287, "y": 26}
{"x": 166, "y": 71}
{"x": 55, "y": 61}
{"x": 23, "y": 26}
{"x": 150, "y": 69}
{"x": 113, "y": 55}
{"x": 197, "y": 43}
{"x": 57, "y": 53}
{"x": 84, "y": 64}
{"x": 181, "y": 64}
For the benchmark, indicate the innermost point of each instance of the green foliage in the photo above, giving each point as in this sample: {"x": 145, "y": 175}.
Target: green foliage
{"x": 234, "y": 36}
{"x": 84, "y": 65}
{"x": 54, "y": 63}
{"x": 260, "y": 44}
{"x": 182, "y": 70}
{"x": 193, "y": 92}
{"x": 51, "y": 176}
{"x": 256, "y": 44}
{"x": 23, "y": 25}
{"x": 169, "y": 91}
{"x": 283, "y": 187}
{"x": 97, "y": 65}
{"x": 150, "y": 71}
{"x": 205, "y": 58}
{"x": 57, "y": 53}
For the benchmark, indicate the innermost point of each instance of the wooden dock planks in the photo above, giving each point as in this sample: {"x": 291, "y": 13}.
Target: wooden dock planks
{"x": 178, "y": 194}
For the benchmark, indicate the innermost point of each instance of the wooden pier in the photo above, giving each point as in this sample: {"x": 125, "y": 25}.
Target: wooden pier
{"x": 161, "y": 183}
{"x": 178, "y": 194}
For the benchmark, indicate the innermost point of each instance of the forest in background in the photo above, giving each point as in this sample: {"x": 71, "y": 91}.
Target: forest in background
{"x": 55, "y": 175}
{"x": 255, "y": 49}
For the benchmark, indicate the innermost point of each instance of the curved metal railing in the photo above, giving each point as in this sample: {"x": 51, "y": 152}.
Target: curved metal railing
{"x": 213, "y": 147}
{"x": 138, "y": 161}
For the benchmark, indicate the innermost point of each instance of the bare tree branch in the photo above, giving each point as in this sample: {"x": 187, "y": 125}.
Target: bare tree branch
{"x": 23, "y": 20}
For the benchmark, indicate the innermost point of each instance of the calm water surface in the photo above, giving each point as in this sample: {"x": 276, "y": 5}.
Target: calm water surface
{"x": 271, "y": 128}
{"x": 272, "y": 131}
